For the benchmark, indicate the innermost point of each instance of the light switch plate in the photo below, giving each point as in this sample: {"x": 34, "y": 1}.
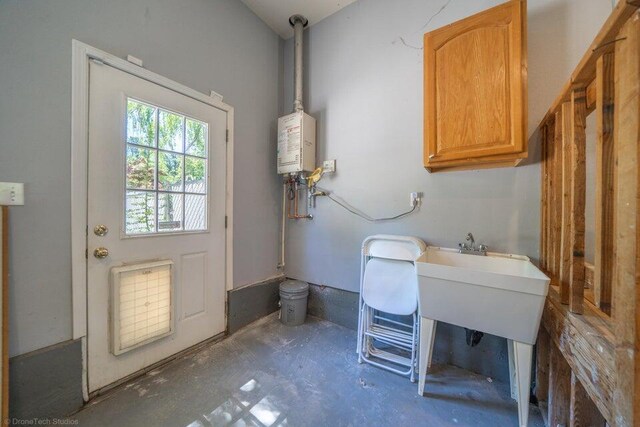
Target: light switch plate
{"x": 329, "y": 166}
{"x": 11, "y": 193}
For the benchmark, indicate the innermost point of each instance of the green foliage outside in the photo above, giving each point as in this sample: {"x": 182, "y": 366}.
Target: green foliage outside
{"x": 141, "y": 162}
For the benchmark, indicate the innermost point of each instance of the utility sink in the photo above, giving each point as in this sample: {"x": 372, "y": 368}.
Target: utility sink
{"x": 499, "y": 294}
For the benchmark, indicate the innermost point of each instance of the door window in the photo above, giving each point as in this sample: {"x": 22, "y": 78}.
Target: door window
{"x": 166, "y": 171}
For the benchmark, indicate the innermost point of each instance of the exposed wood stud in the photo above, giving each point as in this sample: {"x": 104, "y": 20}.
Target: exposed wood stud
{"x": 557, "y": 193}
{"x": 543, "y": 200}
{"x": 583, "y": 412}
{"x": 578, "y": 196}
{"x": 626, "y": 292}
{"x": 604, "y": 256}
{"x": 567, "y": 223}
{"x": 542, "y": 365}
{"x": 594, "y": 362}
{"x": 550, "y": 198}
{"x": 586, "y": 342}
{"x": 559, "y": 388}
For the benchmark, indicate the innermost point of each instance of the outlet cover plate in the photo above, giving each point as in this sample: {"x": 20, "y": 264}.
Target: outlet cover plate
{"x": 329, "y": 166}
{"x": 11, "y": 193}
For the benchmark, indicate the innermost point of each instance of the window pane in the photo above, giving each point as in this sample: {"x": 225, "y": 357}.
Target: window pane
{"x": 141, "y": 123}
{"x": 141, "y": 167}
{"x": 195, "y": 174}
{"x": 195, "y": 208}
{"x": 140, "y": 211}
{"x": 170, "y": 171}
{"x": 169, "y": 212}
{"x": 171, "y": 131}
{"x": 196, "y": 138}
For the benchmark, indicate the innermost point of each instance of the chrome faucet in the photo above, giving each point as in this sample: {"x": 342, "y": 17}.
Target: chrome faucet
{"x": 471, "y": 248}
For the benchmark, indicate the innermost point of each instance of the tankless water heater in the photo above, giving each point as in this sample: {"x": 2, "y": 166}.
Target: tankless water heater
{"x": 296, "y": 143}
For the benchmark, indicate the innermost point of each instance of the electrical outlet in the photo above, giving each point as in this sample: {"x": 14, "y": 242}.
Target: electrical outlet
{"x": 329, "y": 166}
{"x": 414, "y": 199}
{"x": 11, "y": 193}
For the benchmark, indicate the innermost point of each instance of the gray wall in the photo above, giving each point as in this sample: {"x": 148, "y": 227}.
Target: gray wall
{"x": 204, "y": 44}
{"x": 364, "y": 86}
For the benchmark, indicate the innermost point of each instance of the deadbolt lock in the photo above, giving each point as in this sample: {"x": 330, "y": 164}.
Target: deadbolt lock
{"x": 101, "y": 253}
{"x": 100, "y": 230}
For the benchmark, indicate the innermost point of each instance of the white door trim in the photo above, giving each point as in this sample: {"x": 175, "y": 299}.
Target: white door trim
{"x": 81, "y": 55}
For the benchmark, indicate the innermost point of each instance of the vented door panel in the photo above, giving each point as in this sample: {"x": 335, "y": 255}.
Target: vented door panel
{"x": 141, "y": 304}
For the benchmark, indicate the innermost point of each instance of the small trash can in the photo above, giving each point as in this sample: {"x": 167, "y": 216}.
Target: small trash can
{"x": 293, "y": 302}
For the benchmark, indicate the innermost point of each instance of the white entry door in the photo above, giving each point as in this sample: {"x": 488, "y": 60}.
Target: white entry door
{"x": 156, "y": 223}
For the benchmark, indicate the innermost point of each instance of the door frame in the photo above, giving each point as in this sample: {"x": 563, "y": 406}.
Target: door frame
{"x": 81, "y": 55}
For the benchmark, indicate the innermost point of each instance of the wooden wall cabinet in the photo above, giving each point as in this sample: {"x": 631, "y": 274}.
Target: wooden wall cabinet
{"x": 475, "y": 91}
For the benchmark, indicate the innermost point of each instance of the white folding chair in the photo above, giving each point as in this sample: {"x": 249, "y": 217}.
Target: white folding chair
{"x": 389, "y": 286}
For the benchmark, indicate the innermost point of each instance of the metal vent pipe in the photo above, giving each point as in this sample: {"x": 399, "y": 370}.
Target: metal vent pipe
{"x": 298, "y": 22}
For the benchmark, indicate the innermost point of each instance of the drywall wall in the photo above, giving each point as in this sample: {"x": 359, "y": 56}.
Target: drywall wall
{"x": 204, "y": 44}
{"x": 363, "y": 76}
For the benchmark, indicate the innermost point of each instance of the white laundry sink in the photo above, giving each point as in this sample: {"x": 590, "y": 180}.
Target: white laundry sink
{"x": 499, "y": 294}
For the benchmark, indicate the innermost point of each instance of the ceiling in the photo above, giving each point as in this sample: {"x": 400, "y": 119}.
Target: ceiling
{"x": 276, "y": 13}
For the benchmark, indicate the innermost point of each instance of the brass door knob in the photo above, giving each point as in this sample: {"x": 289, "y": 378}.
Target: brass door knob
{"x": 100, "y": 230}
{"x": 101, "y": 253}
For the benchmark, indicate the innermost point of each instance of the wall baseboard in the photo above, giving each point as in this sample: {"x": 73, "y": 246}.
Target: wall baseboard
{"x": 46, "y": 383}
{"x": 335, "y": 305}
{"x": 488, "y": 358}
{"x": 250, "y": 303}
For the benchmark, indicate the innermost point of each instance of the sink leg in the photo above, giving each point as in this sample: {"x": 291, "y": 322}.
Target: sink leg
{"x": 512, "y": 371}
{"x": 427, "y": 335}
{"x": 522, "y": 360}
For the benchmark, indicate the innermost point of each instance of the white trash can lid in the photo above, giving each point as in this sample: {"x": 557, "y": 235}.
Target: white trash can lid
{"x": 294, "y": 286}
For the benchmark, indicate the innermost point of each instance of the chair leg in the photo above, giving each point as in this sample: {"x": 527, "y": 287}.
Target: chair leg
{"x": 359, "y": 345}
{"x": 360, "y": 333}
{"x": 414, "y": 339}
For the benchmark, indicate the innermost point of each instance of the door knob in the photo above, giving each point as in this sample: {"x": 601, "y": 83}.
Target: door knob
{"x": 101, "y": 253}
{"x": 100, "y": 230}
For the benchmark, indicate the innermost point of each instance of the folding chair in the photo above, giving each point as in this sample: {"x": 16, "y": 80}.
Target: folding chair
{"x": 389, "y": 286}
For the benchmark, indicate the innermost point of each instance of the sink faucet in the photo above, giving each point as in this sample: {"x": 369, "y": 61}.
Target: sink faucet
{"x": 471, "y": 248}
{"x": 471, "y": 239}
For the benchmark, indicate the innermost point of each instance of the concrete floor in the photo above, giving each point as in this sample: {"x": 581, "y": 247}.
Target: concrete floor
{"x": 268, "y": 374}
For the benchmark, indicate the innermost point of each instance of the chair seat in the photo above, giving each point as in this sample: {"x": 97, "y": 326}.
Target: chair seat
{"x": 390, "y": 286}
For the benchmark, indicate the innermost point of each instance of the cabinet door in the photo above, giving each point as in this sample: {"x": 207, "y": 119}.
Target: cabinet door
{"x": 475, "y": 86}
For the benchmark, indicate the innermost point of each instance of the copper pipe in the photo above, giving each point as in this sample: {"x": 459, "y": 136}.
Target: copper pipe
{"x": 295, "y": 214}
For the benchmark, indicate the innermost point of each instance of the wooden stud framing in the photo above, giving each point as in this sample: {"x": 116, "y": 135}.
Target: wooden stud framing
{"x": 556, "y": 206}
{"x": 559, "y": 388}
{"x": 543, "y": 346}
{"x": 567, "y": 224}
{"x": 593, "y": 359}
{"x": 578, "y": 196}
{"x": 583, "y": 412}
{"x": 604, "y": 256}
{"x": 626, "y": 192}
{"x": 550, "y": 173}
{"x": 543, "y": 201}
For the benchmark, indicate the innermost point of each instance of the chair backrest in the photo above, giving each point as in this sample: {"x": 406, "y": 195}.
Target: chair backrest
{"x": 405, "y": 248}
